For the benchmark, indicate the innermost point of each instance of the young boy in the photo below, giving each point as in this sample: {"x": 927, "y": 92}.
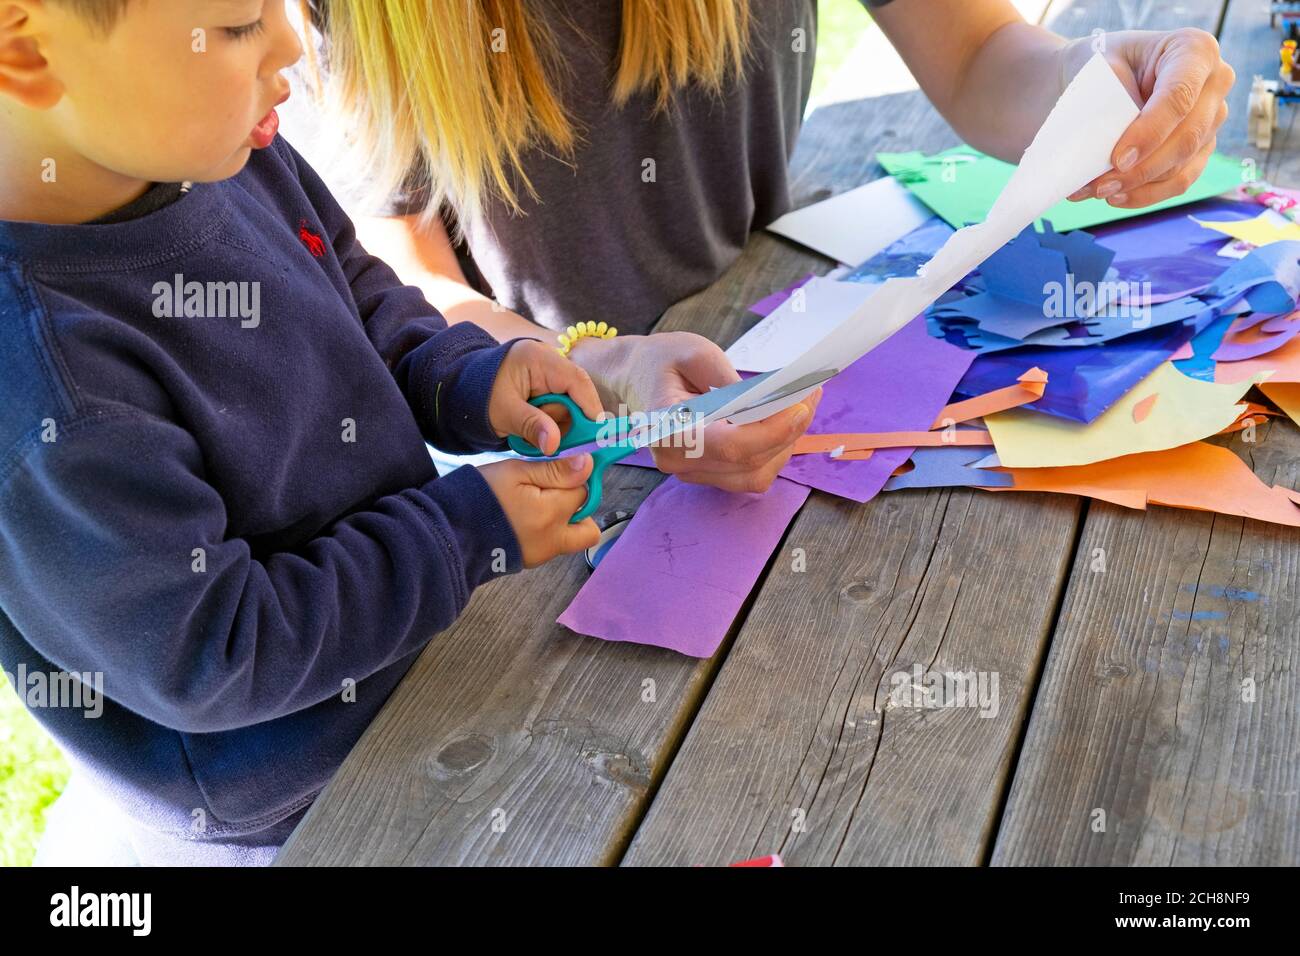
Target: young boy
{"x": 215, "y": 494}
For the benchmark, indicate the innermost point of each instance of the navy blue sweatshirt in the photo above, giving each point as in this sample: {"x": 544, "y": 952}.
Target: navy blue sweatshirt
{"x": 230, "y": 512}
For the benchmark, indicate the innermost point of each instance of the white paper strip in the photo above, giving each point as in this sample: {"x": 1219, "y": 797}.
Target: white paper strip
{"x": 1072, "y": 148}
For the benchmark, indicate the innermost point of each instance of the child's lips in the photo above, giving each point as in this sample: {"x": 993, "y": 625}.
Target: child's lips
{"x": 264, "y": 132}
{"x": 266, "y": 128}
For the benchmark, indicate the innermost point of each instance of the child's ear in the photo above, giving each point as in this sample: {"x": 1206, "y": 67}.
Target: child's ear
{"x": 25, "y": 74}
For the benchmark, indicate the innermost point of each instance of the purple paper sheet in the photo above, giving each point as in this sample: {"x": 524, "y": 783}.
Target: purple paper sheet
{"x": 1168, "y": 249}
{"x": 768, "y": 304}
{"x": 901, "y": 385}
{"x": 680, "y": 572}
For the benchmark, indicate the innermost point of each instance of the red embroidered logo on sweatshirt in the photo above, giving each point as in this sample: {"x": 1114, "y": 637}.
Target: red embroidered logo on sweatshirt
{"x": 315, "y": 245}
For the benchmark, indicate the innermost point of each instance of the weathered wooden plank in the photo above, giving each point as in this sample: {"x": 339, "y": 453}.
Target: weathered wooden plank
{"x": 1146, "y": 745}
{"x": 507, "y": 716}
{"x": 800, "y": 747}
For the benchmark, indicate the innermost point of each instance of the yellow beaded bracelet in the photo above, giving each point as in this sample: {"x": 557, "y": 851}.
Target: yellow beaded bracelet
{"x": 583, "y": 330}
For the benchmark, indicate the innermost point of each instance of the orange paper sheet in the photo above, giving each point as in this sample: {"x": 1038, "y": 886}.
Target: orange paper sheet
{"x": 1198, "y": 476}
{"x": 1286, "y": 396}
{"x": 861, "y": 441}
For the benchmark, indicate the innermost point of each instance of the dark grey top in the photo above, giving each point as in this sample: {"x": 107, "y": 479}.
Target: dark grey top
{"x": 653, "y": 208}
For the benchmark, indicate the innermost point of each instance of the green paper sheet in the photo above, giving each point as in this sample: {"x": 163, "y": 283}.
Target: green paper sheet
{"x": 976, "y": 182}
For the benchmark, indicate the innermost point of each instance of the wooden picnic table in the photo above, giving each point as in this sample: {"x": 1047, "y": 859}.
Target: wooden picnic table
{"x": 514, "y": 741}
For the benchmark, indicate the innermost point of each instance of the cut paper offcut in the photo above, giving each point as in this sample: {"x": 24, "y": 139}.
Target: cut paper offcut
{"x": 1034, "y": 282}
{"x": 1252, "y": 414}
{"x": 948, "y": 466}
{"x": 1286, "y": 396}
{"x": 1188, "y": 410}
{"x": 860, "y": 441}
{"x": 1197, "y": 476}
{"x": 806, "y": 315}
{"x": 855, "y": 225}
{"x": 961, "y": 185}
{"x": 768, "y": 304}
{"x": 1143, "y": 408}
{"x": 1282, "y": 366}
{"x": 1247, "y": 338}
{"x": 681, "y": 570}
{"x": 901, "y": 384}
{"x": 1071, "y": 149}
{"x": 1266, "y": 228}
{"x": 1030, "y": 388}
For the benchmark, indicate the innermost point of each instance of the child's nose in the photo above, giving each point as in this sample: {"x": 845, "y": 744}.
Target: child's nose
{"x": 287, "y": 49}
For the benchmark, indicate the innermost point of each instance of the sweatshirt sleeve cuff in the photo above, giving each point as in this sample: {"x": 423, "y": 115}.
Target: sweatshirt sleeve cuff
{"x": 486, "y": 541}
{"x": 455, "y": 378}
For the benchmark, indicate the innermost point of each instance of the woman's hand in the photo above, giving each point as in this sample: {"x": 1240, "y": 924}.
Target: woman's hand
{"x": 650, "y": 371}
{"x": 1181, "y": 81}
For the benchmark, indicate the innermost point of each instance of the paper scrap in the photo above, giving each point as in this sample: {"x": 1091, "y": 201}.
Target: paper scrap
{"x": 1071, "y": 149}
{"x": 679, "y": 573}
{"x": 856, "y": 224}
{"x": 1143, "y": 408}
{"x": 1268, "y": 227}
{"x": 1029, "y": 388}
{"x": 1282, "y": 364}
{"x": 859, "y": 441}
{"x": 947, "y": 466}
{"x": 1188, "y": 410}
{"x": 1249, "y": 337}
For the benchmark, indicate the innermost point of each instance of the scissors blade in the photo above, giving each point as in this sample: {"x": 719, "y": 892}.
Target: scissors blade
{"x": 702, "y": 409}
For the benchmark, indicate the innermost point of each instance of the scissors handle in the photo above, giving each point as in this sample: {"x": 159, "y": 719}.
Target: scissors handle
{"x": 581, "y": 428}
{"x": 582, "y": 431}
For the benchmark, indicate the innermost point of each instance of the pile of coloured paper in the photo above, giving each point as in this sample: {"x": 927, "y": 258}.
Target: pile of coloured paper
{"x": 995, "y": 339}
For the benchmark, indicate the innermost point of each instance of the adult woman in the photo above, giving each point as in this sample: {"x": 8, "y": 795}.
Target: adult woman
{"x": 603, "y": 160}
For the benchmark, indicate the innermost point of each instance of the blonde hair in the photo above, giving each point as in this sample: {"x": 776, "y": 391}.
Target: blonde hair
{"x": 464, "y": 87}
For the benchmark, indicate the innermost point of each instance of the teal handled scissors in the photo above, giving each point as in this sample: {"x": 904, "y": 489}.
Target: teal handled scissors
{"x": 620, "y": 437}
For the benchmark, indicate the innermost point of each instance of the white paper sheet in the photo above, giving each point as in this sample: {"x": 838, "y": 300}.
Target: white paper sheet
{"x": 812, "y": 311}
{"x": 1072, "y": 148}
{"x": 855, "y": 225}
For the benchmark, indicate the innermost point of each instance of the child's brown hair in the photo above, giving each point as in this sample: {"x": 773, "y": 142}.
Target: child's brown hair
{"x": 102, "y": 13}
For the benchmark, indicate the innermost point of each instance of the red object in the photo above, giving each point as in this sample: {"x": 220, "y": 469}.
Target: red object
{"x": 772, "y": 859}
{"x": 311, "y": 240}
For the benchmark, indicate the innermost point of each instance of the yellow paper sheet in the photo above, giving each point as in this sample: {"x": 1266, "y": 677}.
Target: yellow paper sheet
{"x": 1187, "y": 410}
{"x": 1259, "y": 231}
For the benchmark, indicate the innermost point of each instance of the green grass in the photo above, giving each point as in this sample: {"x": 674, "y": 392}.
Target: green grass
{"x": 839, "y": 25}
{"x": 32, "y": 774}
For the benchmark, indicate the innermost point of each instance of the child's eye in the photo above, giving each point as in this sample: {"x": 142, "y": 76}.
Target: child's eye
{"x": 247, "y": 30}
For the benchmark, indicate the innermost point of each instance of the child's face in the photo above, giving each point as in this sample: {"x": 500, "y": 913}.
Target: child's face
{"x": 178, "y": 90}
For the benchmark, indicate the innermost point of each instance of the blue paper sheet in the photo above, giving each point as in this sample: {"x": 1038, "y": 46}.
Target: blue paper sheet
{"x": 949, "y": 466}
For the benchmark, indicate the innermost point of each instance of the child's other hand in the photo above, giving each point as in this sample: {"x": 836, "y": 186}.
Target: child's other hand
{"x": 539, "y": 498}
{"x": 532, "y": 368}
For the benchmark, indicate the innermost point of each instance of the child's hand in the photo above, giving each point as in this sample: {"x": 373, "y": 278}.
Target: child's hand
{"x": 539, "y": 498}
{"x": 532, "y": 368}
